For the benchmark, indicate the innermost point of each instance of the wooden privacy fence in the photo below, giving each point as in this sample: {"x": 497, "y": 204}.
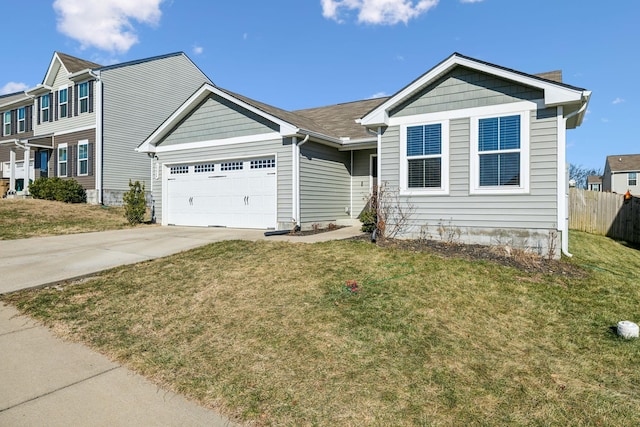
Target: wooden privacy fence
{"x": 605, "y": 213}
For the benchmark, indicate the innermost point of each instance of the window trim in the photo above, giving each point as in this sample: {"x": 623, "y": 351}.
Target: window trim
{"x": 525, "y": 154}
{"x": 84, "y": 142}
{"x": 60, "y": 162}
{"x": 43, "y": 109}
{"x": 444, "y": 162}
{"x": 6, "y": 123}
{"x": 21, "y": 125}
{"x": 82, "y": 98}
{"x": 635, "y": 179}
{"x": 61, "y": 104}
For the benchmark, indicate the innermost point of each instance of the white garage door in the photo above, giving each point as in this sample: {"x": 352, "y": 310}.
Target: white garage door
{"x": 238, "y": 193}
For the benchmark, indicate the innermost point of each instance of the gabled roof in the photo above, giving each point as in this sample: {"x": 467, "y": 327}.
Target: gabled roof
{"x": 594, "y": 179}
{"x": 73, "y": 64}
{"x": 624, "y": 163}
{"x": 15, "y": 98}
{"x": 555, "y": 93}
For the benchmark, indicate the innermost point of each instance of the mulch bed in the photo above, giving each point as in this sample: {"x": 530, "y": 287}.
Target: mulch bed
{"x": 521, "y": 260}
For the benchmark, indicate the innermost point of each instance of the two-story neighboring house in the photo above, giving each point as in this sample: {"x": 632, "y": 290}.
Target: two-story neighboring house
{"x": 84, "y": 121}
{"x": 622, "y": 174}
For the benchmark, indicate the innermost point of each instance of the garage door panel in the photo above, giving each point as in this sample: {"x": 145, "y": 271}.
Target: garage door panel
{"x": 231, "y": 194}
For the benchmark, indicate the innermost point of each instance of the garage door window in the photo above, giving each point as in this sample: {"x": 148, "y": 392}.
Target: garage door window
{"x": 175, "y": 170}
{"x": 263, "y": 163}
{"x": 204, "y": 167}
{"x": 231, "y": 166}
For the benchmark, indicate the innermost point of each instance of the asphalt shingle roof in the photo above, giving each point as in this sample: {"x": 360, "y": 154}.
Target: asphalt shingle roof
{"x": 73, "y": 64}
{"x": 624, "y": 162}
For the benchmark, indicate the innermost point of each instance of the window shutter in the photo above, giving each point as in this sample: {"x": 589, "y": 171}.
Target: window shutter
{"x": 38, "y": 110}
{"x": 90, "y": 159}
{"x": 70, "y": 102}
{"x": 50, "y": 107}
{"x": 91, "y": 96}
{"x": 72, "y": 158}
{"x": 37, "y": 164}
{"x": 55, "y": 161}
{"x": 75, "y": 100}
{"x": 57, "y": 98}
{"x": 28, "y": 117}
{"x": 14, "y": 122}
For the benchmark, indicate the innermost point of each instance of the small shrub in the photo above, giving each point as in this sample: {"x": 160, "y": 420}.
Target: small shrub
{"x": 61, "y": 190}
{"x": 368, "y": 219}
{"x": 135, "y": 204}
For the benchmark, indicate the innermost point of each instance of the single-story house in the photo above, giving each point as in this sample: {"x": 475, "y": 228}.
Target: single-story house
{"x": 594, "y": 182}
{"x": 621, "y": 173}
{"x": 474, "y": 151}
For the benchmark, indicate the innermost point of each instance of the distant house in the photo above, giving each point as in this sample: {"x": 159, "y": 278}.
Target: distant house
{"x": 621, "y": 174}
{"x": 477, "y": 149}
{"x": 594, "y": 183}
{"x": 84, "y": 121}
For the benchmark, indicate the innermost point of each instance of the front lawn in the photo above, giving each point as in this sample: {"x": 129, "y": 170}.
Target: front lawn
{"x": 268, "y": 333}
{"x": 24, "y": 218}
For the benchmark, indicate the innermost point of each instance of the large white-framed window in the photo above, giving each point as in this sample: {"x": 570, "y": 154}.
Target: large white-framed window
{"x": 83, "y": 158}
{"x": 632, "y": 179}
{"x": 499, "y": 152}
{"x": 63, "y": 102}
{"x": 62, "y": 160}
{"x": 6, "y": 123}
{"x": 83, "y": 97}
{"x": 424, "y": 163}
{"x": 44, "y": 108}
{"x": 22, "y": 119}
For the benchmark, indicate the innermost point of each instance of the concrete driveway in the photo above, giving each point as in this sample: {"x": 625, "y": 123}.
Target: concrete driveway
{"x": 42, "y": 261}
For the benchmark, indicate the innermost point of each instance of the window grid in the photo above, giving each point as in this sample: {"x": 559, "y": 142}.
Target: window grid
{"x": 44, "y": 108}
{"x": 83, "y": 96}
{"x": 231, "y": 166}
{"x": 62, "y": 161}
{"x": 63, "y": 102}
{"x": 21, "y": 119}
{"x": 499, "y": 151}
{"x": 424, "y": 156}
{"x": 83, "y": 158}
{"x": 204, "y": 167}
{"x": 632, "y": 179}
{"x": 176, "y": 170}
{"x": 263, "y": 163}
{"x": 7, "y": 123}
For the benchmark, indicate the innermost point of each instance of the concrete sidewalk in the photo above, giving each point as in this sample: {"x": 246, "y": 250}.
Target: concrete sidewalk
{"x": 48, "y": 381}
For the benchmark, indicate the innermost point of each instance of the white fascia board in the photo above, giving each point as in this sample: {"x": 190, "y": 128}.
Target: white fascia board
{"x": 148, "y": 146}
{"x": 553, "y": 94}
{"x": 85, "y": 74}
{"x": 217, "y": 142}
{"x": 26, "y": 100}
{"x": 51, "y": 71}
{"x": 38, "y": 90}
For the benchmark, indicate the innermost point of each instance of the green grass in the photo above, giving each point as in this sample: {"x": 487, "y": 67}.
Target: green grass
{"x": 24, "y": 218}
{"x": 267, "y": 333}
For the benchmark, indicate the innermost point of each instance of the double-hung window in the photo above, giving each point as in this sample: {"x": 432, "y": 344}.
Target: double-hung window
{"x": 21, "y": 119}
{"x": 7, "y": 123}
{"x": 500, "y": 154}
{"x": 44, "y": 108}
{"x": 83, "y": 96}
{"x": 424, "y": 167}
{"x": 63, "y": 103}
{"x": 62, "y": 160}
{"x": 83, "y": 158}
{"x": 632, "y": 179}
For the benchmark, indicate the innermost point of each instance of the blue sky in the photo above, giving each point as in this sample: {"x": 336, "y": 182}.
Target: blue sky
{"x": 297, "y": 54}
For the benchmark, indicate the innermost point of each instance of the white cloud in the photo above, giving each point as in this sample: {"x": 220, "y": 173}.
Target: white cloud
{"x": 12, "y": 87}
{"x": 617, "y": 101}
{"x": 378, "y": 95}
{"x": 385, "y": 12}
{"x": 197, "y": 50}
{"x": 471, "y": 1}
{"x": 245, "y": 36}
{"x": 105, "y": 24}
{"x": 604, "y": 120}
{"x": 399, "y": 58}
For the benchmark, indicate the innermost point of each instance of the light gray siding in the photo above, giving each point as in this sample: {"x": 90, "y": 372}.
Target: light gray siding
{"x": 325, "y": 184}
{"x": 217, "y": 118}
{"x": 280, "y": 148}
{"x": 464, "y": 88}
{"x": 137, "y": 98}
{"x": 361, "y": 180}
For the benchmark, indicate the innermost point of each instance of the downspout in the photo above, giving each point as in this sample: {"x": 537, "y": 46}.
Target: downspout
{"x": 98, "y": 158}
{"x": 563, "y": 174}
{"x": 297, "y": 172}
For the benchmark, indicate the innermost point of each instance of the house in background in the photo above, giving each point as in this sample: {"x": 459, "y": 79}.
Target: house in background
{"x": 478, "y": 150}
{"x": 84, "y": 121}
{"x": 621, "y": 174}
{"x": 594, "y": 183}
